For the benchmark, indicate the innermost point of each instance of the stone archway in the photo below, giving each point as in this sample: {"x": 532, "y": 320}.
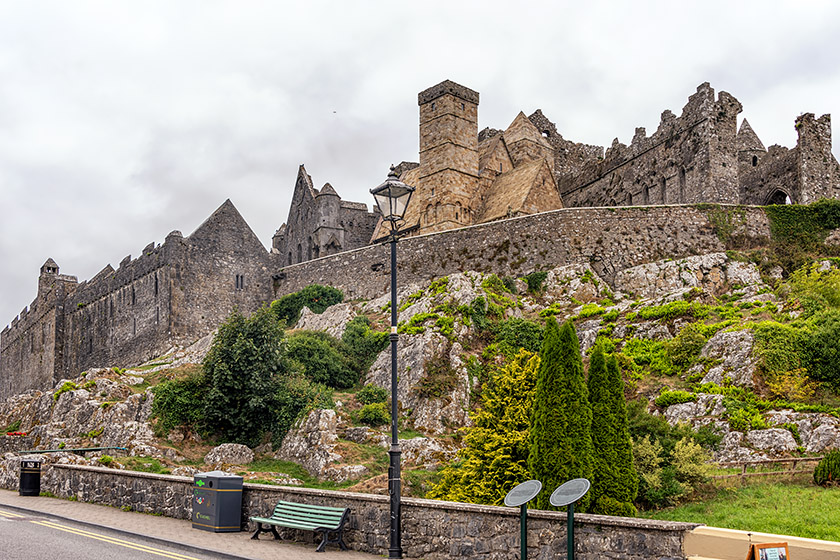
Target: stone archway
{"x": 778, "y": 197}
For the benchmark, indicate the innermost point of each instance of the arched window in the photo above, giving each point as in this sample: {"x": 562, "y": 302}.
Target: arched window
{"x": 779, "y": 197}
{"x": 290, "y": 257}
{"x": 682, "y": 185}
{"x": 300, "y": 253}
{"x": 755, "y": 161}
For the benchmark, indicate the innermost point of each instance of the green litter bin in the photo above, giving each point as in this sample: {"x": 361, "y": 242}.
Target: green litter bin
{"x": 217, "y": 502}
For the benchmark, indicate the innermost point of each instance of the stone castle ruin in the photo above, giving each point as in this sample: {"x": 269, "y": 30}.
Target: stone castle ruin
{"x": 521, "y": 186}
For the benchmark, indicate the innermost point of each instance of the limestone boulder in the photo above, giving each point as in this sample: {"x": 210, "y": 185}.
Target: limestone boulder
{"x": 229, "y": 454}
{"x": 705, "y": 406}
{"x": 433, "y": 384}
{"x": 428, "y": 452}
{"x": 732, "y": 352}
{"x": 732, "y": 449}
{"x": 774, "y": 441}
{"x": 333, "y": 320}
{"x": 313, "y": 443}
{"x": 713, "y": 272}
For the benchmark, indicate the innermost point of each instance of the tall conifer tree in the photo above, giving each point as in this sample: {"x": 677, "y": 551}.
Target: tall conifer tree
{"x": 615, "y": 483}
{"x": 560, "y": 443}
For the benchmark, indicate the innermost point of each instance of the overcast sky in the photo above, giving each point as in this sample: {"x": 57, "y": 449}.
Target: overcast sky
{"x": 123, "y": 121}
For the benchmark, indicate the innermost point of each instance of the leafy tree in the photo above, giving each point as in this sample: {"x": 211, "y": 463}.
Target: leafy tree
{"x": 495, "y": 454}
{"x": 614, "y": 479}
{"x": 322, "y": 358}
{"x": 561, "y": 417}
{"x": 243, "y": 369}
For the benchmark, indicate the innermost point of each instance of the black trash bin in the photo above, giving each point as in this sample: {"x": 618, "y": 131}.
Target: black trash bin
{"x": 217, "y": 502}
{"x": 30, "y": 477}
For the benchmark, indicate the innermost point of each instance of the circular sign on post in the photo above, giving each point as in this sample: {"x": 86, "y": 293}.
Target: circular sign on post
{"x": 523, "y": 493}
{"x": 569, "y": 492}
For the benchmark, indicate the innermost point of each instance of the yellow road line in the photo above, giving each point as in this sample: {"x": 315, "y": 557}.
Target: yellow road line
{"x": 111, "y": 540}
{"x": 9, "y": 514}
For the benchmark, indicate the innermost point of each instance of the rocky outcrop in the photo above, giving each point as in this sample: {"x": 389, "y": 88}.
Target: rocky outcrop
{"x": 313, "y": 444}
{"x": 731, "y": 352}
{"x": 817, "y": 432}
{"x": 229, "y": 454}
{"x": 433, "y": 385}
{"x": 333, "y": 320}
{"x": 714, "y": 273}
{"x": 706, "y": 406}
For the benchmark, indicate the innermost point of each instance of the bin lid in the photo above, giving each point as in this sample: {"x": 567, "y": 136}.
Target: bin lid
{"x": 216, "y": 474}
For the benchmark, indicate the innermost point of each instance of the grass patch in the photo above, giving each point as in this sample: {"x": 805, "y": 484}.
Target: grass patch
{"x": 797, "y": 509}
{"x": 143, "y": 464}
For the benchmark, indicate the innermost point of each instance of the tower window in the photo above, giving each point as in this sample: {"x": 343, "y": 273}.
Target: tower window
{"x": 433, "y": 105}
{"x": 463, "y": 107}
{"x": 240, "y": 282}
{"x": 755, "y": 161}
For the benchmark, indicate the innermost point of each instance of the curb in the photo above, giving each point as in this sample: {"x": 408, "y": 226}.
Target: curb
{"x": 123, "y": 532}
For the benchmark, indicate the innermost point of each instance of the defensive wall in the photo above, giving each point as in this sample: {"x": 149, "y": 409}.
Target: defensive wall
{"x": 431, "y": 529}
{"x": 173, "y": 293}
{"x": 609, "y": 239}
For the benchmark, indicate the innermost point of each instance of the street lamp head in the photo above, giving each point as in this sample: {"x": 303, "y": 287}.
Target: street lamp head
{"x": 392, "y": 198}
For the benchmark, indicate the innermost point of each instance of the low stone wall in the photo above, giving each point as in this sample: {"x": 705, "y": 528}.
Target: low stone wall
{"x": 609, "y": 239}
{"x": 431, "y": 529}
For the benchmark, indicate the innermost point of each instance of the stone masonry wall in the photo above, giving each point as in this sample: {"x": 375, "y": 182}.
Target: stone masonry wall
{"x": 430, "y": 529}
{"x": 610, "y": 239}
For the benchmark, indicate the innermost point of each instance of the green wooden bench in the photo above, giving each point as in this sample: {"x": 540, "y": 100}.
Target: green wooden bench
{"x": 320, "y": 519}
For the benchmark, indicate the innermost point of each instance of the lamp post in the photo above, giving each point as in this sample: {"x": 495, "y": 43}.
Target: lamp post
{"x": 392, "y": 198}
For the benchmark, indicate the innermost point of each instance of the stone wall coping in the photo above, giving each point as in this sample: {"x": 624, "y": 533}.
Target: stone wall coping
{"x": 604, "y": 520}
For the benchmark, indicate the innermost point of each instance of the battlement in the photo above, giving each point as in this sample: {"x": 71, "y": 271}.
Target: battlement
{"x": 450, "y": 88}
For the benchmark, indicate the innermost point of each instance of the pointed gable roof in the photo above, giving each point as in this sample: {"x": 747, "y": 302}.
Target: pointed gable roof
{"x": 523, "y": 129}
{"x": 747, "y": 139}
{"x": 526, "y": 189}
{"x": 226, "y": 229}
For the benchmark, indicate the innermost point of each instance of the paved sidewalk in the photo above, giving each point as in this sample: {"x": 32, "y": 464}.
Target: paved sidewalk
{"x": 178, "y": 532}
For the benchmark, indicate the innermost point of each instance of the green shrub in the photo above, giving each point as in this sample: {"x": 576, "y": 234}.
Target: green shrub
{"x": 478, "y": 313}
{"x": 535, "y": 281}
{"x": 590, "y": 310}
{"x": 828, "y": 469}
{"x": 67, "y": 386}
{"x": 692, "y": 463}
{"x": 650, "y": 353}
{"x": 322, "y": 358}
{"x": 316, "y": 297}
{"x": 668, "y": 311}
{"x": 13, "y": 427}
{"x": 295, "y": 396}
{"x": 495, "y": 453}
{"x": 515, "y": 334}
{"x": 180, "y": 402}
{"x": 105, "y": 460}
{"x": 370, "y": 394}
{"x": 686, "y": 346}
{"x": 363, "y": 343}
{"x": 374, "y": 414}
{"x": 605, "y": 505}
{"x": 667, "y": 398}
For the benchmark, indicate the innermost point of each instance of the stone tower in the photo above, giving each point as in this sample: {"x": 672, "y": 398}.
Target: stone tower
{"x": 449, "y": 179}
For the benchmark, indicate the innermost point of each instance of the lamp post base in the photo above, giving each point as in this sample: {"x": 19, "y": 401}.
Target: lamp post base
{"x": 395, "y": 551}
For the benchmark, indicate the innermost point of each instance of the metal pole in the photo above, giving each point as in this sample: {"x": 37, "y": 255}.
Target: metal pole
{"x": 523, "y": 531}
{"x": 570, "y": 532}
{"x": 395, "y": 551}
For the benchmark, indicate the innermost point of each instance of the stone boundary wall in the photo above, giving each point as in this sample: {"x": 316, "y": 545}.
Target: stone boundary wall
{"x": 431, "y": 529}
{"x": 609, "y": 239}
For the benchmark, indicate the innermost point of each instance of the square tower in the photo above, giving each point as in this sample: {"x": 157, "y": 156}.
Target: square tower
{"x": 448, "y": 183}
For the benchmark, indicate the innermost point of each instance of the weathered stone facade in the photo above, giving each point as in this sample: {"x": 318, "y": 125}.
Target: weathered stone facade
{"x": 321, "y": 224}
{"x": 430, "y": 529}
{"x": 171, "y": 294}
